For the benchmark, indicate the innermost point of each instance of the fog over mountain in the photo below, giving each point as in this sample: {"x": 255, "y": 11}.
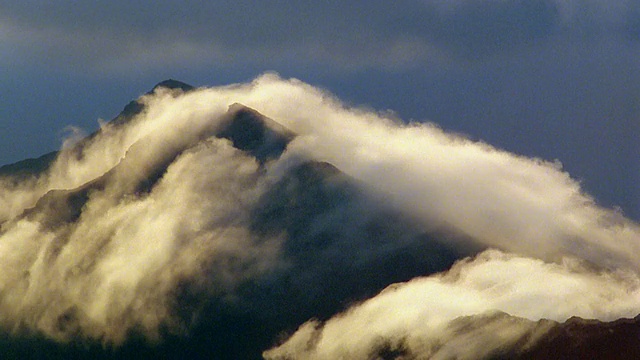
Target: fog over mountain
{"x": 270, "y": 219}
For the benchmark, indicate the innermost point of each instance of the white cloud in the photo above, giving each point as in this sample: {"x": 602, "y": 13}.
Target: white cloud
{"x": 115, "y": 267}
{"x": 499, "y": 199}
{"x": 425, "y": 316}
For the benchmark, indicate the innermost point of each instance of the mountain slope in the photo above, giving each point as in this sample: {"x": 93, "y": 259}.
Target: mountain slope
{"x": 305, "y": 210}
{"x": 589, "y": 339}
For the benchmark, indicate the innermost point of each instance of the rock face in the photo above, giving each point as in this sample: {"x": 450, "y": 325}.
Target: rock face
{"x": 589, "y": 339}
{"x": 249, "y": 131}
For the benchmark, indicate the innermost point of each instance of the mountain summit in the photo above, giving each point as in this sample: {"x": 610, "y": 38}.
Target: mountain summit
{"x": 31, "y": 167}
{"x": 134, "y": 107}
{"x": 173, "y": 84}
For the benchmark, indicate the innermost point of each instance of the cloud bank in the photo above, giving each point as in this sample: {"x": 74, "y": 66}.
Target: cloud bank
{"x": 104, "y": 242}
{"x": 431, "y": 317}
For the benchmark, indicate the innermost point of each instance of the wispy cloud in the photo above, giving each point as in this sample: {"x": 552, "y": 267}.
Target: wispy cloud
{"x": 425, "y": 317}
{"x": 103, "y": 242}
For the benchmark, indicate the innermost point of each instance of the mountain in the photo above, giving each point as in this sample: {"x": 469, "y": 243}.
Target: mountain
{"x": 208, "y": 239}
{"x": 311, "y": 203}
{"x": 589, "y": 339}
{"x": 31, "y": 167}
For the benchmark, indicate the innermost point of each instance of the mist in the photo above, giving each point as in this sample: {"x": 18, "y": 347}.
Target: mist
{"x": 101, "y": 244}
{"x": 500, "y": 199}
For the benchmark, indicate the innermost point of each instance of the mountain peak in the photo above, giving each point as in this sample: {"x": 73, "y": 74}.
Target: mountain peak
{"x": 134, "y": 107}
{"x": 255, "y": 133}
{"x": 173, "y": 84}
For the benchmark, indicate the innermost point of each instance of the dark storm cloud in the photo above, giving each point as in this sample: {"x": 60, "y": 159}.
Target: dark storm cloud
{"x": 121, "y": 35}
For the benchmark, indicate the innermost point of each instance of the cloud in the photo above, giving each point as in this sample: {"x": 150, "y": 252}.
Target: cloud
{"x": 431, "y": 317}
{"x": 116, "y": 264}
{"x": 158, "y": 208}
{"x": 499, "y": 199}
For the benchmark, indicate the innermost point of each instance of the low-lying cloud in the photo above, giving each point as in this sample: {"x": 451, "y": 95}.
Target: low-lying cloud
{"x": 160, "y": 201}
{"x": 426, "y": 316}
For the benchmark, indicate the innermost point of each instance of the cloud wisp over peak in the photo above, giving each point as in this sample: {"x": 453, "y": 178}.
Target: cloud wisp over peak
{"x": 240, "y": 202}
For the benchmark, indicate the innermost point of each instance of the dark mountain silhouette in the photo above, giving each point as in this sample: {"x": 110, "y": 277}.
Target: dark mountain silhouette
{"x": 172, "y": 84}
{"x": 32, "y": 167}
{"x": 318, "y": 210}
{"x": 589, "y": 339}
{"x": 29, "y": 167}
{"x": 134, "y": 107}
{"x": 250, "y": 131}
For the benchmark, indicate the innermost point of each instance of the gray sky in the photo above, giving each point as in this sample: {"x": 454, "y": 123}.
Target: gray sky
{"x": 556, "y": 79}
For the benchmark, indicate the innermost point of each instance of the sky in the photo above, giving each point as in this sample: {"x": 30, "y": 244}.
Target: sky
{"x": 554, "y": 79}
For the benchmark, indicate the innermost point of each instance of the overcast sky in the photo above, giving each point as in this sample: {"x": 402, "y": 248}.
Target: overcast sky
{"x": 556, "y": 79}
